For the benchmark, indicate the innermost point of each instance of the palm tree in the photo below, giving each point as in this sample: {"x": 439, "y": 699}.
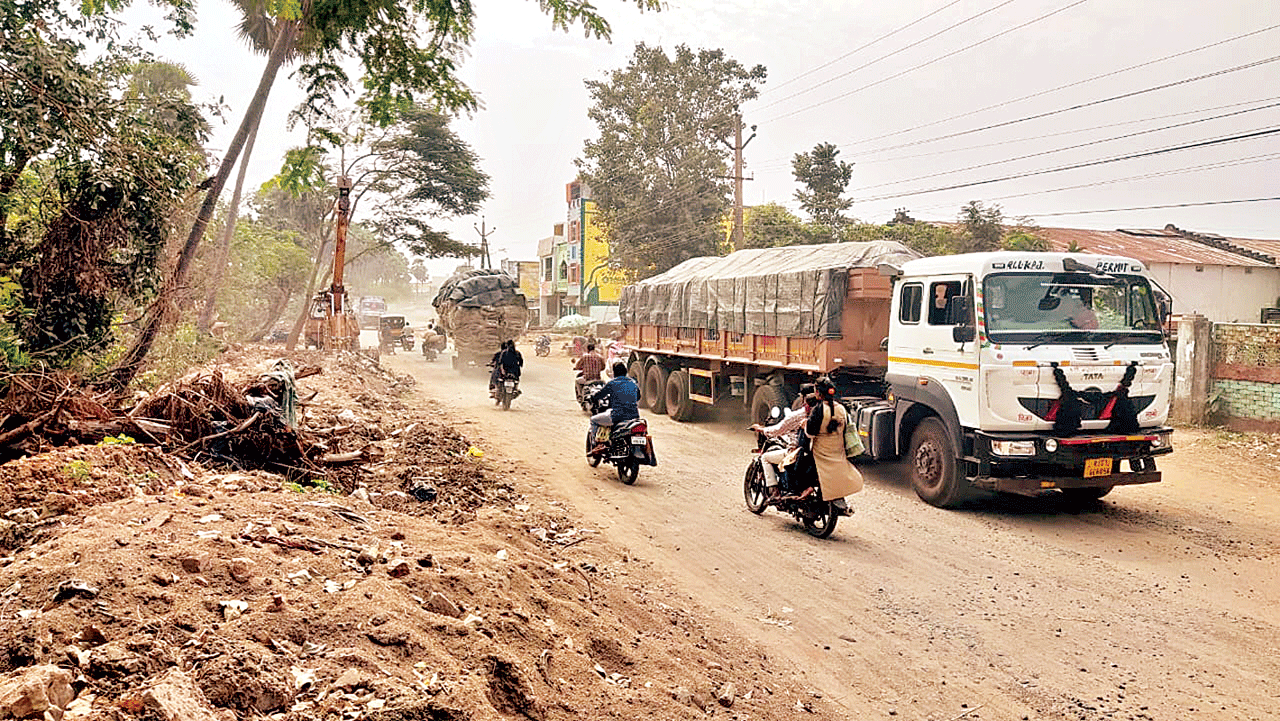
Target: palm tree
{"x": 259, "y": 30}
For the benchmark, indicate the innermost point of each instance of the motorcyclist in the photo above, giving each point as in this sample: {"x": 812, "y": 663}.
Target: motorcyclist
{"x": 824, "y": 439}
{"x": 786, "y": 431}
{"x": 589, "y": 368}
{"x": 506, "y": 362}
{"x": 623, "y": 395}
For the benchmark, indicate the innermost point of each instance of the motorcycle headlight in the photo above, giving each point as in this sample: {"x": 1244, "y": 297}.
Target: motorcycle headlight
{"x": 1013, "y": 448}
{"x": 1051, "y": 445}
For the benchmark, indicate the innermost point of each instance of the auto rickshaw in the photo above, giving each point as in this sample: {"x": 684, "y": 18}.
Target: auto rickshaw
{"x": 391, "y": 333}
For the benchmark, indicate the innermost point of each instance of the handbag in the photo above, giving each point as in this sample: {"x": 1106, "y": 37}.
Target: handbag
{"x": 852, "y": 440}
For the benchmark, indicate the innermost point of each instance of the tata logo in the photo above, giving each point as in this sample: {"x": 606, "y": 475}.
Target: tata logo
{"x": 1094, "y": 376}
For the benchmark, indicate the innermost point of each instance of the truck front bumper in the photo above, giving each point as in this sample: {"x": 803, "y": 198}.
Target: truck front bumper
{"x": 1044, "y": 462}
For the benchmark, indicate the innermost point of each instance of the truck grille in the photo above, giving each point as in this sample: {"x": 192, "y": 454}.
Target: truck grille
{"x": 1088, "y": 411}
{"x": 1088, "y": 355}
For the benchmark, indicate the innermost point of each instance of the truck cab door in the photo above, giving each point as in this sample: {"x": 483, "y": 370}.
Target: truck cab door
{"x": 948, "y": 341}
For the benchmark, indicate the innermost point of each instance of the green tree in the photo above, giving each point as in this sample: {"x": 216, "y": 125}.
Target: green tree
{"x": 772, "y": 226}
{"x": 267, "y": 270}
{"x": 417, "y": 170}
{"x": 657, "y": 169}
{"x": 981, "y": 228}
{"x": 825, "y": 179}
{"x": 406, "y": 50}
{"x": 96, "y": 157}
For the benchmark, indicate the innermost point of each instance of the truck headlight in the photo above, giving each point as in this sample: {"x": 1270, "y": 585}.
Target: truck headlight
{"x": 1051, "y": 445}
{"x": 1013, "y": 448}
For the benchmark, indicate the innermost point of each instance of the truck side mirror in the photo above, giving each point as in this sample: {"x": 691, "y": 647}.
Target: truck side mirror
{"x": 963, "y": 333}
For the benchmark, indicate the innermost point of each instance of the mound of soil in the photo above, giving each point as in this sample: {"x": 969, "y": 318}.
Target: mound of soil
{"x": 419, "y": 586}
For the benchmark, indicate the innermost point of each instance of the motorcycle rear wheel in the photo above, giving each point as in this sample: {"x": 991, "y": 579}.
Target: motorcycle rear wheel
{"x": 753, "y": 489}
{"x": 822, "y": 524}
{"x": 628, "y": 471}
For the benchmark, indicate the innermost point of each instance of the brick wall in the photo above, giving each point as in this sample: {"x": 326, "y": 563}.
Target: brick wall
{"x": 1245, "y": 375}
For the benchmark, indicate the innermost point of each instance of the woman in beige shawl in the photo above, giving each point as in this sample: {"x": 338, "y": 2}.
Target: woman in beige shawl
{"x": 825, "y": 428}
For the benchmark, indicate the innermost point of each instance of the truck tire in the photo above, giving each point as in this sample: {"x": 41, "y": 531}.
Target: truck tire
{"x": 932, "y": 465}
{"x": 767, "y": 396}
{"x": 679, "y": 404}
{"x": 655, "y": 388}
{"x": 635, "y": 372}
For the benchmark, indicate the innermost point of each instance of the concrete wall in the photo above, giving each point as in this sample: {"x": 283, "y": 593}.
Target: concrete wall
{"x": 1245, "y": 376}
{"x": 1223, "y": 294}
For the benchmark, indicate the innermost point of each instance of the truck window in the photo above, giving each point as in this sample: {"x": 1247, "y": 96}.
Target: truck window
{"x": 909, "y": 310}
{"x": 940, "y": 295}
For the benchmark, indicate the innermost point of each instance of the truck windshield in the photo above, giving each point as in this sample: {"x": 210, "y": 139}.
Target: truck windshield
{"x": 1070, "y": 308}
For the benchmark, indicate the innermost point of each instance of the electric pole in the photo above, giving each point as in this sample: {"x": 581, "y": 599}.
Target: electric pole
{"x": 485, "y": 262}
{"x": 738, "y": 146}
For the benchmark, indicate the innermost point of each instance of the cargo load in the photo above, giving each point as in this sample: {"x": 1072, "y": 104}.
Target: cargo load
{"x": 479, "y": 309}
{"x": 791, "y": 291}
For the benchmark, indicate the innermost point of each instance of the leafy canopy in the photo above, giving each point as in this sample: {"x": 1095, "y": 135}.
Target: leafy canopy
{"x": 824, "y": 179}
{"x": 657, "y": 170}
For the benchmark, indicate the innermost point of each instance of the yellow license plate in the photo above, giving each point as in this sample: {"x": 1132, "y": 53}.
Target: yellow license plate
{"x": 1095, "y": 467}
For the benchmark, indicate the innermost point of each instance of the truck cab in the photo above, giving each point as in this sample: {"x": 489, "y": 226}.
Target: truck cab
{"x": 1026, "y": 373}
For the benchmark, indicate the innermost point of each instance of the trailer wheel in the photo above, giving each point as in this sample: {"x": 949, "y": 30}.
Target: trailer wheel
{"x": 766, "y": 398}
{"x": 932, "y": 462}
{"x": 679, "y": 404}
{"x": 635, "y": 372}
{"x": 655, "y": 388}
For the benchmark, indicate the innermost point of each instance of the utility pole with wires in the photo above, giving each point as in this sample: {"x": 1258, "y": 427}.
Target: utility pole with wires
{"x": 485, "y": 261}
{"x": 735, "y": 238}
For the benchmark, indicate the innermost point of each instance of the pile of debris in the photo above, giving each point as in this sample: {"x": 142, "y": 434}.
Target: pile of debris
{"x": 180, "y": 578}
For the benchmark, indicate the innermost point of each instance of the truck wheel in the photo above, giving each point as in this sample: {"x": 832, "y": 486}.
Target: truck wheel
{"x": 655, "y": 388}
{"x": 767, "y": 396}
{"x": 932, "y": 462}
{"x": 635, "y": 372}
{"x": 679, "y": 404}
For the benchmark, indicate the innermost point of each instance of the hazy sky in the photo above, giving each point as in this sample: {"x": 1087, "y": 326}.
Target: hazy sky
{"x": 847, "y": 72}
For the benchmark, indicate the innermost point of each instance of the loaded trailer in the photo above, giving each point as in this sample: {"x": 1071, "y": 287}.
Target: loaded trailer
{"x": 1009, "y": 371}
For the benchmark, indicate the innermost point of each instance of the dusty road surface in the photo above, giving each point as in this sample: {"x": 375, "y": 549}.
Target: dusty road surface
{"x": 1160, "y": 602}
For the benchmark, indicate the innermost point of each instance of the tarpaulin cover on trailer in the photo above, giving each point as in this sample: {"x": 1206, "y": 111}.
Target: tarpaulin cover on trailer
{"x": 793, "y": 291}
{"x": 479, "y": 287}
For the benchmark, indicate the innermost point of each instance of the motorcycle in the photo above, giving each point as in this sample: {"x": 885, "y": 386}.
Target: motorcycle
{"x": 507, "y": 389}
{"x": 406, "y": 339}
{"x": 818, "y": 516}
{"x": 432, "y": 345}
{"x": 627, "y": 445}
{"x": 543, "y": 346}
{"x": 584, "y": 392}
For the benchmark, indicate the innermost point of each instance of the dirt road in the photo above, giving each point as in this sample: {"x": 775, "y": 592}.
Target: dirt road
{"x": 1161, "y": 602}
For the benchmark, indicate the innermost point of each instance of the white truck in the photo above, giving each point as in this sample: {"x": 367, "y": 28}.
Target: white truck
{"x": 1015, "y": 372}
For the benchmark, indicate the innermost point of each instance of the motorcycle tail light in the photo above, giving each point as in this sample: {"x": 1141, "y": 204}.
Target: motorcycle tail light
{"x": 639, "y": 429}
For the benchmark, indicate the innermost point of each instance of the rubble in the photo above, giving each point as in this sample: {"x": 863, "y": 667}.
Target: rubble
{"x": 154, "y": 579}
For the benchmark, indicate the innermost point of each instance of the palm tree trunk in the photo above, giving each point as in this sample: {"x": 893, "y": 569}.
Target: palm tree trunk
{"x": 306, "y": 298}
{"x": 224, "y": 243}
{"x": 164, "y": 308}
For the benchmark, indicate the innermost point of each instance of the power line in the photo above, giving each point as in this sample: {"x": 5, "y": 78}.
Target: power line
{"x": 773, "y": 164}
{"x": 1074, "y": 147}
{"x": 931, "y": 62}
{"x": 1159, "y": 207}
{"x": 1071, "y": 85}
{"x": 886, "y": 56}
{"x": 1075, "y": 166}
{"x": 862, "y": 47}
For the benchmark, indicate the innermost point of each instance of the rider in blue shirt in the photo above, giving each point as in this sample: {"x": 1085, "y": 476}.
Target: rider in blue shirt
{"x": 623, "y": 394}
